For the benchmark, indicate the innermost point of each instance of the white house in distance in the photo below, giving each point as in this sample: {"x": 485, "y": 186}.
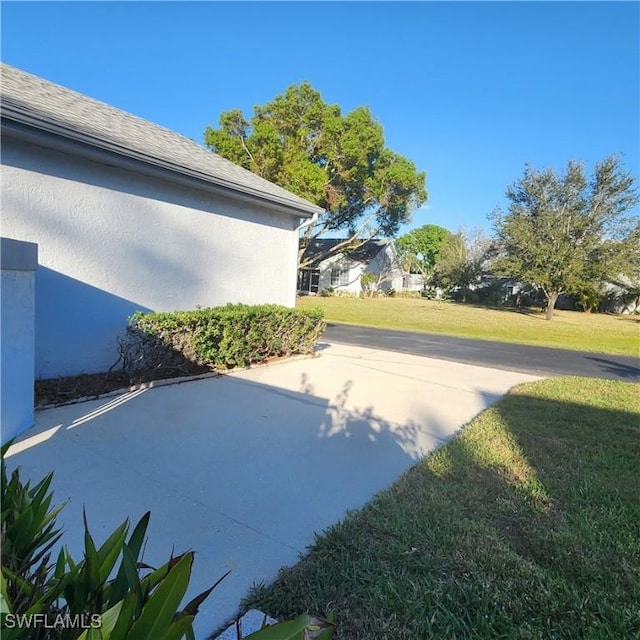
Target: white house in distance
{"x": 130, "y": 216}
{"x": 342, "y": 271}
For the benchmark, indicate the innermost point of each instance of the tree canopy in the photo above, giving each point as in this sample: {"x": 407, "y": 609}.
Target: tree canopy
{"x": 565, "y": 233}
{"x": 339, "y": 162}
{"x": 419, "y": 249}
{"x": 462, "y": 260}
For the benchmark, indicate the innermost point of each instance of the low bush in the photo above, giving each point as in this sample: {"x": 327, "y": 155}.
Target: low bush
{"x": 492, "y": 294}
{"x": 166, "y": 344}
{"x": 433, "y": 293}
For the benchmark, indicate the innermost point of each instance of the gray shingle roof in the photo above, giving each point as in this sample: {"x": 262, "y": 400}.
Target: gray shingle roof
{"x": 317, "y": 249}
{"x": 33, "y": 101}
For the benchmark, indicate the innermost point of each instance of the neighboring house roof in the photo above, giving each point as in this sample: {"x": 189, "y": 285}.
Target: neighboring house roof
{"x": 318, "y": 248}
{"x": 30, "y": 103}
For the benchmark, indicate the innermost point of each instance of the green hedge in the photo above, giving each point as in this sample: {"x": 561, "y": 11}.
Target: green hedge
{"x": 236, "y": 335}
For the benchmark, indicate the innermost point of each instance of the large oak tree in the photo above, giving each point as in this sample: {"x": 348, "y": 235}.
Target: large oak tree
{"x": 338, "y": 161}
{"x": 565, "y": 232}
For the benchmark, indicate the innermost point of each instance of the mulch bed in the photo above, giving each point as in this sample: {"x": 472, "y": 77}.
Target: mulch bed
{"x": 61, "y": 390}
{"x": 66, "y": 389}
{"x": 56, "y": 391}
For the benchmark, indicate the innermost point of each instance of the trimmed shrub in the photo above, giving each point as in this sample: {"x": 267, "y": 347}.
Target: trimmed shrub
{"x": 165, "y": 344}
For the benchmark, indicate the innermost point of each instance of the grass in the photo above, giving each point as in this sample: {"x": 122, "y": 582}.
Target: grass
{"x": 524, "y": 526}
{"x": 594, "y": 332}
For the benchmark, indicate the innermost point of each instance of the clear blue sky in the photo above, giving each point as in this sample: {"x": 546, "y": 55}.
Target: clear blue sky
{"x": 469, "y": 91}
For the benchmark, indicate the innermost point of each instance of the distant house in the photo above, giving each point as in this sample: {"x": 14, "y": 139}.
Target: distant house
{"x": 342, "y": 271}
{"x": 128, "y": 215}
{"x": 413, "y": 282}
{"x": 623, "y": 296}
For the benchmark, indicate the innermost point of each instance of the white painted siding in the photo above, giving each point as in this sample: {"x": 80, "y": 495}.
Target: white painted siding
{"x": 351, "y": 279}
{"x": 413, "y": 282}
{"x": 386, "y": 267}
{"x": 113, "y": 241}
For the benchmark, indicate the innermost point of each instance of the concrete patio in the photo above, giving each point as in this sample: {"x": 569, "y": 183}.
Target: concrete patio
{"x": 245, "y": 468}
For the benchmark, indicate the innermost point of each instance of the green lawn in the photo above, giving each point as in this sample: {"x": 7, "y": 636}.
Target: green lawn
{"x": 599, "y": 333}
{"x": 525, "y": 526}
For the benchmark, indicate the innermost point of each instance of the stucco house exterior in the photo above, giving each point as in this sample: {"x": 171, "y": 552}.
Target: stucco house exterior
{"x": 128, "y": 216}
{"x": 342, "y": 272}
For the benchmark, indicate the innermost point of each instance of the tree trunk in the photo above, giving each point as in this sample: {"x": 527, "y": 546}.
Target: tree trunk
{"x": 552, "y": 298}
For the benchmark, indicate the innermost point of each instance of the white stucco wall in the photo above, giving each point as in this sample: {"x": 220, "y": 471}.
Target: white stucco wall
{"x": 17, "y": 337}
{"x": 113, "y": 241}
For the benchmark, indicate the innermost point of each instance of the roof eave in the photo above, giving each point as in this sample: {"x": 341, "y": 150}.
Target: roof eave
{"x": 24, "y": 125}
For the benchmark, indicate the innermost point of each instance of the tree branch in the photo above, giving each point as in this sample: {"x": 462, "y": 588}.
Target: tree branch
{"x": 244, "y": 146}
{"x": 353, "y": 242}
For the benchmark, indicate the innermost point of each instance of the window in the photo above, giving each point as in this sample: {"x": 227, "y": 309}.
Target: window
{"x": 308, "y": 280}
{"x": 339, "y": 277}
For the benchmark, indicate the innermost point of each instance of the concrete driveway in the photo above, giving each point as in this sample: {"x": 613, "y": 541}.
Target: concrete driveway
{"x": 245, "y": 468}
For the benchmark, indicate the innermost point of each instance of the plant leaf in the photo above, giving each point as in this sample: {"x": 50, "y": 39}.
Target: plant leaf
{"x": 164, "y": 602}
{"x": 107, "y": 622}
{"x": 110, "y": 550}
{"x": 126, "y": 618}
{"x": 179, "y": 628}
{"x": 304, "y": 627}
{"x": 192, "y": 607}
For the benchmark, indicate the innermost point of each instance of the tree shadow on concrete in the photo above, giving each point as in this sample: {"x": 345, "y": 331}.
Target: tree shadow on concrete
{"x": 364, "y": 424}
{"x": 524, "y": 524}
{"x": 243, "y": 472}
